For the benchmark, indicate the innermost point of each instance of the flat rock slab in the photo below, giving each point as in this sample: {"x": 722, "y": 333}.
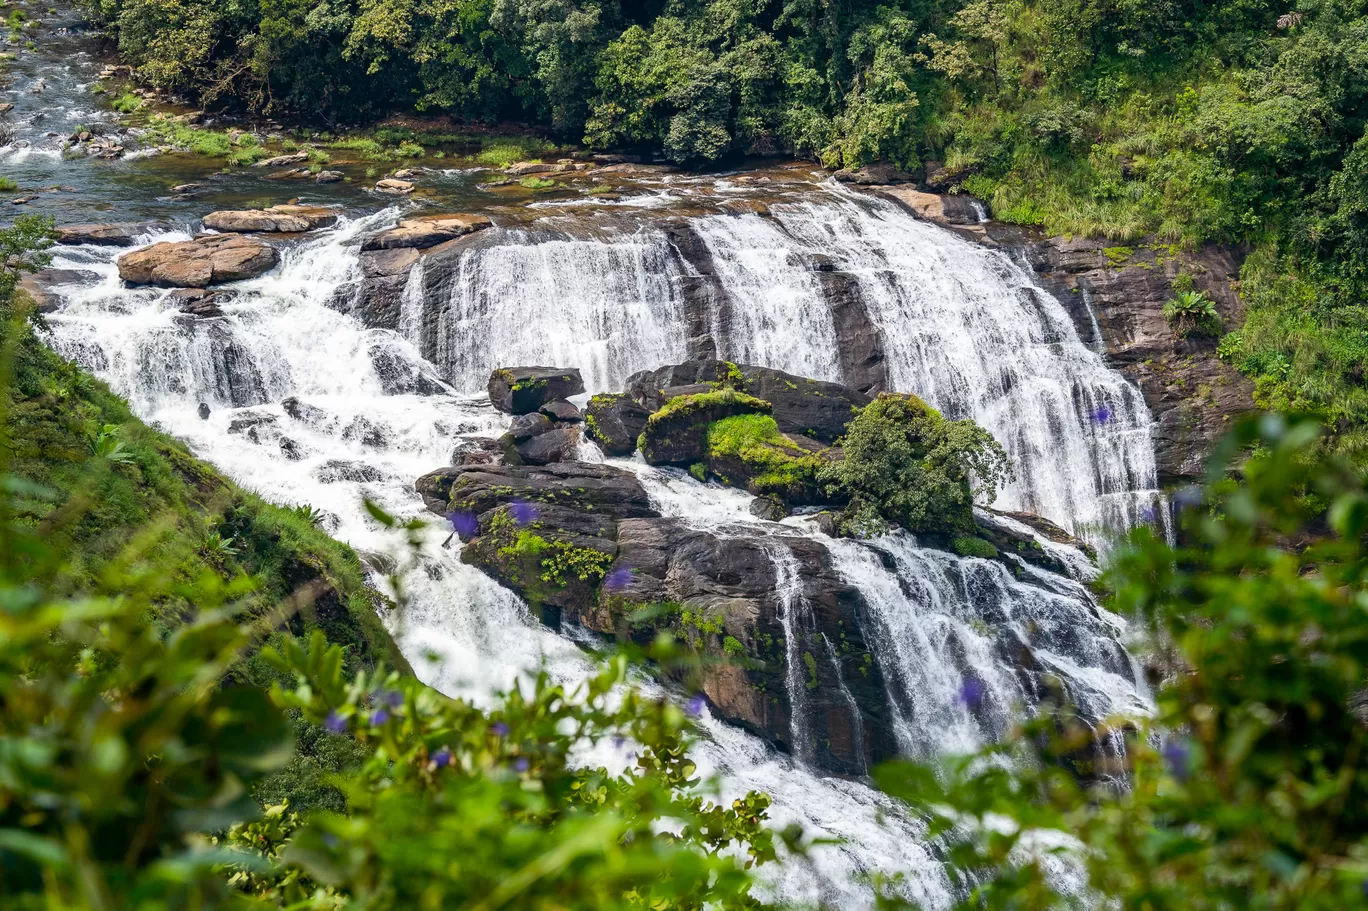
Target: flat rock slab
{"x": 275, "y": 220}
{"x": 198, "y": 263}
{"x": 119, "y": 235}
{"x": 523, "y": 390}
{"x": 426, "y": 231}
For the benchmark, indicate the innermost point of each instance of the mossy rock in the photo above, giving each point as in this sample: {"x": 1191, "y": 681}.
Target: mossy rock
{"x": 615, "y": 422}
{"x": 523, "y": 390}
{"x": 678, "y": 433}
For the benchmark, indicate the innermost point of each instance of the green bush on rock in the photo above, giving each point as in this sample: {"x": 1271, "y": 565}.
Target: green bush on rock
{"x": 906, "y": 464}
{"x": 771, "y": 462}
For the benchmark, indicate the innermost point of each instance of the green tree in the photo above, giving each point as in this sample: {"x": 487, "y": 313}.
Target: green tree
{"x": 906, "y": 464}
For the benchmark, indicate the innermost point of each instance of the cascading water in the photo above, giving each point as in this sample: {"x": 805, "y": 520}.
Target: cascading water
{"x": 608, "y": 307}
{"x": 961, "y": 326}
{"x": 308, "y": 406}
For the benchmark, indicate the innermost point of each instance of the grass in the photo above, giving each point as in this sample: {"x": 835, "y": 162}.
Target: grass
{"x": 536, "y": 183}
{"x": 127, "y": 103}
{"x": 7, "y": 185}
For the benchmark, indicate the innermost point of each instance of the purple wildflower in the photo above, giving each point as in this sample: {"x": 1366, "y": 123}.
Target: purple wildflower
{"x": 1188, "y": 496}
{"x": 335, "y": 723}
{"x": 464, "y": 524}
{"x": 524, "y": 513}
{"x": 694, "y": 707}
{"x": 442, "y": 758}
{"x": 1176, "y": 756}
{"x": 971, "y": 692}
{"x": 392, "y": 698}
{"x": 379, "y": 717}
{"x": 521, "y": 764}
{"x": 1103, "y": 415}
{"x": 617, "y": 580}
{"x": 499, "y": 729}
{"x": 1148, "y": 515}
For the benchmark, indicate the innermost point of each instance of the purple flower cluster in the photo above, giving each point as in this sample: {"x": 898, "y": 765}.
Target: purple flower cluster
{"x": 972, "y": 692}
{"x": 442, "y": 758}
{"x": 464, "y": 524}
{"x": 617, "y": 580}
{"x": 524, "y": 513}
{"x": 335, "y": 723}
{"x": 694, "y": 707}
{"x": 498, "y": 729}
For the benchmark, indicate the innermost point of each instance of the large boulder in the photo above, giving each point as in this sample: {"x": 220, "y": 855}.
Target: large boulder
{"x": 678, "y": 433}
{"x": 615, "y": 422}
{"x": 198, "y": 263}
{"x": 814, "y": 408}
{"x": 582, "y": 541}
{"x": 275, "y": 220}
{"x": 523, "y": 390}
{"x": 558, "y": 445}
{"x": 119, "y": 235}
{"x": 426, "y": 231}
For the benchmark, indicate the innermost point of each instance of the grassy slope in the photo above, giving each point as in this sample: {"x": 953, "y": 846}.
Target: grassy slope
{"x": 157, "y": 507}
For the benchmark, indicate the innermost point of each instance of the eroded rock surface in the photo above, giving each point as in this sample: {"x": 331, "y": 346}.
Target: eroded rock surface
{"x": 206, "y": 260}
{"x": 275, "y": 220}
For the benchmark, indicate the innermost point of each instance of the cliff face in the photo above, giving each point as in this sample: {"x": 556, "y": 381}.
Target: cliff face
{"x": 1116, "y": 296}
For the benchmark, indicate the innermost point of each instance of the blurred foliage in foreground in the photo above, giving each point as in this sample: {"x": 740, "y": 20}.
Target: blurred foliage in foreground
{"x": 135, "y": 731}
{"x": 1249, "y": 788}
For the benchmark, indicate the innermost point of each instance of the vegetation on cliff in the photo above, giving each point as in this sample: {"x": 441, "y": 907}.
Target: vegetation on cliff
{"x": 907, "y": 465}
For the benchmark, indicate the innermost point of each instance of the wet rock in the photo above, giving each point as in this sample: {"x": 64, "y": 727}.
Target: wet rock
{"x": 207, "y": 260}
{"x": 477, "y": 451}
{"x": 573, "y": 485}
{"x": 290, "y": 449}
{"x": 556, "y": 445}
{"x": 281, "y": 161}
{"x": 187, "y": 188}
{"x": 394, "y": 187}
{"x": 386, "y": 263}
{"x": 292, "y": 174}
{"x": 198, "y": 302}
{"x": 426, "y": 231}
{"x": 812, "y": 408}
{"x": 337, "y": 470}
{"x": 364, "y": 431}
{"x": 523, "y": 390}
{"x": 22, "y": 200}
{"x": 277, "y": 219}
{"x": 678, "y": 433}
{"x": 873, "y": 175}
{"x": 943, "y": 209}
{"x": 526, "y": 426}
{"x": 306, "y": 413}
{"x": 408, "y": 173}
{"x": 561, "y": 410}
{"x": 6, "y": 107}
{"x": 528, "y": 168}
{"x": 330, "y": 177}
{"x": 38, "y": 286}
{"x": 399, "y": 374}
{"x": 250, "y": 421}
{"x": 771, "y": 509}
{"x": 615, "y": 421}
{"x": 203, "y": 411}
{"x": 1192, "y": 395}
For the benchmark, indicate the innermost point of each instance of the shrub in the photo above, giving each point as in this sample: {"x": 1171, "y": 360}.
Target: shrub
{"x": 127, "y": 103}
{"x": 906, "y": 464}
{"x": 1192, "y": 313}
{"x": 971, "y": 546}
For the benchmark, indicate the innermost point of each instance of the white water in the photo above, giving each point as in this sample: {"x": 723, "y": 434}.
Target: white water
{"x": 962, "y": 326}
{"x": 608, "y": 307}
{"x": 940, "y": 621}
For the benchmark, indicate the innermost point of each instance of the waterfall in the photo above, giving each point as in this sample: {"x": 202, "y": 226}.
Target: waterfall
{"x": 962, "y": 326}
{"x": 948, "y": 632}
{"x": 609, "y": 307}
